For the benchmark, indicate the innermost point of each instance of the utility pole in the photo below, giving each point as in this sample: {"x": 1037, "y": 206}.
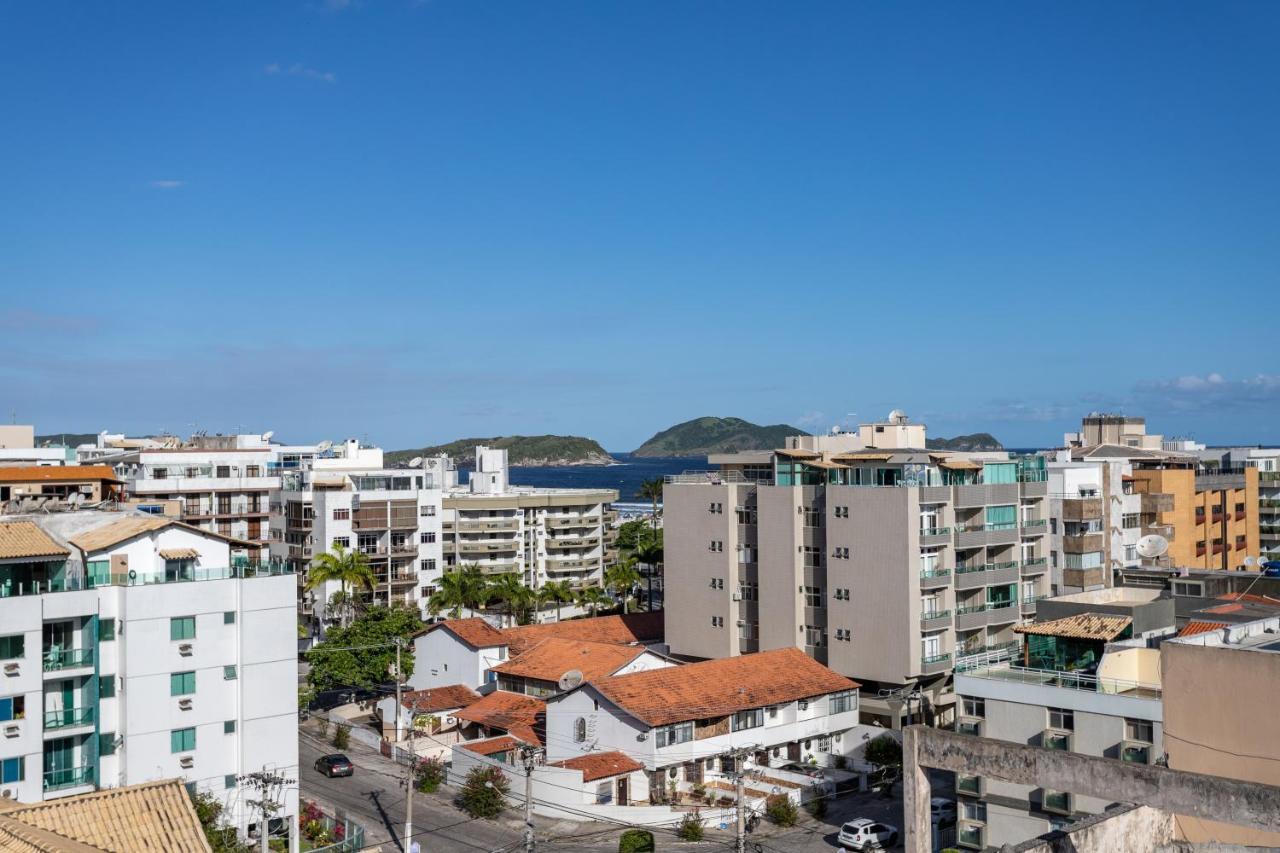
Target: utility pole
{"x": 409, "y": 783}
{"x": 271, "y": 785}
{"x": 740, "y": 837}
{"x": 528, "y": 755}
{"x": 397, "y": 734}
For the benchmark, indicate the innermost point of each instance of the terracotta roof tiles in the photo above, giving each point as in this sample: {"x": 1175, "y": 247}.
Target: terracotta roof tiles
{"x": 445, "y": 698}
{"x": 58, "y": 473}
{"x": 1192, "y": 628}
{"x": 716, "y": 688}
{"x": 552, "y": 658}
{"x": 618, "y": 629}
{"x": 25, "y": 539}
{"x": 1082, "y": 626}
{"x": 601, "y": 765}
{"x": 475, "y": 632}
{"x": 520, "y": 716}
{"x": 491, "y": 746}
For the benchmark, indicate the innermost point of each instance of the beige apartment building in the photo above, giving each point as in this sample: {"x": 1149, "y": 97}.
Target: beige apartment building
{"x": 889, "y": 564}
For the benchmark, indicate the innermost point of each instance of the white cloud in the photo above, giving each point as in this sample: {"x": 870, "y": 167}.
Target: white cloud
{"x": 297, "y": 69}
{"x": 1210, "y": 392}
{"x": 167, "y": 184}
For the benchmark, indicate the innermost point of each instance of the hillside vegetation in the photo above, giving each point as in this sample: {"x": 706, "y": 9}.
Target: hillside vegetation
{"x": 701, "y": 436}
{"x": 527, "y": 450}
{"x": 971, "y": 442}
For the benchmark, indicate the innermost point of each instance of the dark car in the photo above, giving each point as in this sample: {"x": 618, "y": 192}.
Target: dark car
{"x": 334, "y": 765}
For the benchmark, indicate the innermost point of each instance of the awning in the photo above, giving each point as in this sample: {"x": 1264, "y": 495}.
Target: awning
{"x": 959, "y": 465}
{"x": 1082, "y": 626}
{"x": 329, "y": 482}
{"x": 818, "y": 463}
{"x": 798, "y": 454}
{"x": 862, "y": 457}
{"x": 179, "y": 554}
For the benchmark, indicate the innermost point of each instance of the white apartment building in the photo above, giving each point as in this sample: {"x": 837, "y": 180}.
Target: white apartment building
{"x": 539, "y": 534}
{"x": 135, "y": 648}
{"x": 345, "y": 497}
{"x": 1096, "y": 520}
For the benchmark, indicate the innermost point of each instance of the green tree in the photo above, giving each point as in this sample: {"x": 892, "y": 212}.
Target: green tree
{"x": 342, "y": 737}
{"x": 220, "y": 835}
{"x": 650, "y": 554}
{"x": 621, "y": 579}
{"x": 592, "y": 597}
{"x": 690, "y": 828}
{"x": 483, "y": 793}
{"x": 511, "y": 593}
{"x": 349, "y": 568}
{"x": 558, "y": 591}
{"x": 636, "y": 841}
{"x": 781, "y": 810}
{"x": 363, "y": 654}
{"x": 886, "y": 754}
{"x": 652, "y": 490}
{"x": 466, "y": 587}
{"x": 632, "y": 533}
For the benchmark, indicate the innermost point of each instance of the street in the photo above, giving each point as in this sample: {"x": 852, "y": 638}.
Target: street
{"x": 374, "y": 798}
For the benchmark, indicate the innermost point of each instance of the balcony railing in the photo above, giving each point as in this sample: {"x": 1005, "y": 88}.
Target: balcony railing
{"x": 56, "y": 659}
{"x": 68, "y": 777}
{"x": 1066, "y": 680}
{"x": 934, "y": 616}
{"x": 68, "y": 717}
{"x": 926, "y": 660}
{"x": 934, "y": 573}
{"x": 248, "y": 569}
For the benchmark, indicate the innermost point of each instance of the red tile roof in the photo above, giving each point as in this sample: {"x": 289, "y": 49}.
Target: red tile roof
{"x": 552, "y": 658}
{"x": 440, "y": 698}
{"x": 1192, "y": 628}
{"x": 619, "y": 629}
{"x": 520, "y": 716}
{"x": 491, "y": 746}
{"x": 716, "y": 688}
{"x": 601, "y": 765}
{"x": 1224, "y": 608}
{"x": 1251, "y": 598}
{"x": 40, "y": 473}
{"x": 475, "y": 632}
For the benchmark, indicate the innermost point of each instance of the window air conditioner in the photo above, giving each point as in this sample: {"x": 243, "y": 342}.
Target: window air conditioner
{"x": 186, "y": 649}
{"x": 187, "y": 762}
{"x": 12, "y": 730}
{"x": 11, "y": 668}
{"x": 184, "y": 704}
{"x": 737, "y": 596}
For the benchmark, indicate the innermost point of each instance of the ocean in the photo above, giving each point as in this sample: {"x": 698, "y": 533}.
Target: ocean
{"x": 625, "y": 477}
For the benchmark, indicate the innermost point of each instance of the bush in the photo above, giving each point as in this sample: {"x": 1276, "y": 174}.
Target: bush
{"x": 699, "y": 791}
{"x": 781, "y": 810}
{"x": 817, "y": 807}
{"x": 884, "y": 751}
{"x": 431, "y": 775}
{"x": 636, "y": 841}
{"x": 691, "y": 826}
{"x": 842, "y": 763}
{"x": 322, "y": 725}
{"x": 482, "y": 793}
{"x": 342, "y": 737}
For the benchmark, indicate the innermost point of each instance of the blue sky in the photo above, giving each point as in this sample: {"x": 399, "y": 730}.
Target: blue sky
{"x": 415, "y": 221}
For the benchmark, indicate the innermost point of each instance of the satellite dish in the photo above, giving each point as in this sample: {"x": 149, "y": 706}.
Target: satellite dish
{"x": 415, "y": 462}
{"x": 1153, "y": 546}
{"x": 1250, "y": 561}
{"x": 266, "y": 436}
{"x": 324, "y": 445}
{"x": 571, "y": 679}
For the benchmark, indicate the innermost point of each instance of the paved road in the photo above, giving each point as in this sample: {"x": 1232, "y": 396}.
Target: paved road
{"x": 374, "y": 798}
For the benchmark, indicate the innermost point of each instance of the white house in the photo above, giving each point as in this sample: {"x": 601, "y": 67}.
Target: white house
{"x": 135, "y": 648}
{"x": 431, "y": 711}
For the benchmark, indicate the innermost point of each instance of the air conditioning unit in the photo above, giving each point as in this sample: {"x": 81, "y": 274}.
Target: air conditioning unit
{"x": 186, "y": 649}
{"x": 742, "y": 622}
{"x": 11, "y": 668}
{"x": 184, "y": 704}
{"x": 1057, "y": 739}
{"x": 9, "y": 793}
{"x": 12, "y": 730}
{"x": 187, "y": 762}
{"x": 737, "y": 596}
{"x": 1136, "y": 752}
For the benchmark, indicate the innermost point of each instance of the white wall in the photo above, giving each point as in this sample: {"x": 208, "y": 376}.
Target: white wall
{"x": 441, "y": 659}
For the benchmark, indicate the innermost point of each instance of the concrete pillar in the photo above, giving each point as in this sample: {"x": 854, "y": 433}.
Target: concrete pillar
{"x": 916, "y": 794}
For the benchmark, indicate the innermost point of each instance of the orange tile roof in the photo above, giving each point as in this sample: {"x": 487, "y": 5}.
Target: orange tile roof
{"x": 618, "y": 629}
{"x": 440, "y": 698}
{"x": 62, "y": 473}
{"x": 129, "y": 526}
{"x": 601, "y": 765}
{"x": 1224, "y": 608}
{"x": 1192, "y": 628}
{"x": 520, "y": 716}
{"x": 1081, "y": 626}
{"x": 552, "y": 658}
{"x": 491, "y": 746}
{"x": 475, "y": 632}
{"x": 25, "y": 539}
{"x": 716, "y": 688}
{"x": 1250, "y": 597}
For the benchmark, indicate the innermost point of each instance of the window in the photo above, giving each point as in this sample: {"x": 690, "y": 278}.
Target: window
{"x": 842, "y": 512}
{"x": 812, "y": 517}
{"x": 843, "y": 635}
{"x": 182, "y": 628}
{"x": 343, "y": 542}
{"x": 1062, "y": 718}
{"x": 342, "y": 514}
{"x": 974, "y": 706}
{"x": 427, "y": 537}
{"x": 746, "y": 515}
{"x": 717, "y": 621}
{"x": 716, "y": 508}
{"x": 717, "y": 583}
{"x": 229, "y": 727}
{"x": 673, "y": 734}
{"x": 229, "y": 781}
{"x": 159, "y": 473}
{"x": 580, "y": 729}
{"x": 1130, "y": 520}
{"x": 182, "y": 740}
{"x": 751, "y": 719}
{"x": 228, "y": 617}
{"x": 11, "y": 770}
{"x": 749, "y": 591}
{"x": 842, "y": 702}
{"x": 106, "y": 630}
{"x": 1239, "y": 507}
{"x": 1130, "y": 552}
{"x": 749, "y": 630}
{"x": 840, "y": 553}
{"x": 812, "y": 556}
{"x": 229, "y": 673}
{"x": 427, "y": 510}
{"x": 107, "y": 743}
{"x": 815, "y": 636}
{"x": 14, "y": 708}
{"x": 812, "y": 596}
{"x": 1141, "y": 730}
{"x": 717, "y": 545}
{"x": 12, "y": 647}
{"x": 182, "y": 683}
{"x": 106, "y": 687}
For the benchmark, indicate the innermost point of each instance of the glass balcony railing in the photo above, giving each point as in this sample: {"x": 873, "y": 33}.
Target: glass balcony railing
{"x": 934, "y": 531}
{"x": 935, "y": 573}
{"x": 930, "y": 615}
{"x": 931, "y": 659}
{"x": 68, "y": 717}
{"x": 68, "y": 777}
{"x": 56, "y": 659}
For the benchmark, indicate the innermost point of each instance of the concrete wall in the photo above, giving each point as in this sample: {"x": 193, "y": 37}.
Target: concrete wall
{"x": 781, "y": 564}
{"x": 689, "y": 599}
{"x": 1134, "y": 829}
{"x": 17, "y": 436}
{"x": 441, "y": 659}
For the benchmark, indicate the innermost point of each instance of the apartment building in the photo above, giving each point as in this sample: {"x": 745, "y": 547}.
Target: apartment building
{"x": 1103, "y": 428}
{"x": 136, "y": 648}
{"x": 40, "y": 484}
{"x": 888, "y": 564}
{"x": 345, "y": 497}
{"x": 539, "y": 534}
{"x": 1267, "y": 463}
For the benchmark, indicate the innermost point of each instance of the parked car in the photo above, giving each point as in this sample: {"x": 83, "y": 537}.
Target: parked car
{"x": 942, "y": 811}
{"x": 333, "y": 765}
{"x": 867, "y": 834}
{"x": 810, "y": 770}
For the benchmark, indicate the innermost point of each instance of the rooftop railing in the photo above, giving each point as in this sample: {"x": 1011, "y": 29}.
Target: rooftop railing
{"x": 74, "y": 583}
{"x": 1066, "y": 680}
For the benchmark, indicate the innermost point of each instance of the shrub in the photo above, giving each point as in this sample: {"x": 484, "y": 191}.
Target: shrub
{"x": 842, "y": 763}
{"x": 699, "y": 791}
{"x": 636, "y": 841}
{"x": 431, "y": 775}
{"x": 323, "y": 725}
{"x": 781, "y": 810}
{"x": 691, "y": 826}
{"x": 884, "y": 751}
{"x": 342, "y": 737}
{"x": 817, "y": 807}
{"x": 482, "y": 793}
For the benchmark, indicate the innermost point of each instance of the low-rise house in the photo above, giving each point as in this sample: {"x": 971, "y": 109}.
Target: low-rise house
{"x": 499, "y": 713}
{"x": 431, "y": 711}
{"x": 87, "y": 484}
{"x": 557, "y": 665}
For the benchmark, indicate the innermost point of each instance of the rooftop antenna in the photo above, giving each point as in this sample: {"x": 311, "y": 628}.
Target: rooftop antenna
{"x": 415, "y": 462}
{"x": 570, "y": 679}
{"x": 266, "y": 436}
{"x": 1153, "y": 546}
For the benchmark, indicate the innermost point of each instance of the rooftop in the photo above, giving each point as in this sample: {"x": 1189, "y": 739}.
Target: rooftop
{"x": 516, "y": 714}
{"x": 1113, "y": 595}
{"x": 491, "y": 746}
{"x": 1261, "y": 635}
{"x": 474, "y": 631}
{"x": 601, "y": 765}
{"x": 553, "y": 657}
{"x": 445, "y": 698}
{"x": 717, "y": 688}
{"x": 55, "y": 473}
{"x": 1082, "y": 626}
{"x": 1197, "y": 627}
{"x": 20, "y": 539}
{"x": 618, "y": 629}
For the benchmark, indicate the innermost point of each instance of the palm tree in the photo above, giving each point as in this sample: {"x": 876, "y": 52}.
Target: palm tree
{"x": 466, "y": 587}
{"x": 649, "y": 553}
{"x": 652, "y": 490}
{"x": 621, "y": 579}
{"x": 558, "y": 591}
{"x": 592, "y": 597}
{"x": 511, "y": 592}
{"x": 349, "y": 568}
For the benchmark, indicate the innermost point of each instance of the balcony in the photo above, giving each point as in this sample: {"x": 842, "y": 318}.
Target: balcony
{"x": 1083, "y": 543}
{"x": 934, "y": 664}
{"x": 1034, "y": 526}
{"x": 935, "y": 619}
{"x": 972, "y": 577}
{"x": 482, "y": 548}
{"x": 57, "y": 660}
{"x": 489, "y": 525}
{"x": 580, "y": 542}
{"x": 935, "y": 536}
{"x": 933, "y": 578}
{"x": 68, "y": 718}
{"x": 1035, "y": 566}
{"x": 1028, "y": 604}
{"x": 971, "y": 617}
{"x": 986, "y": 494}
{"x": 1035, "y": 488}
{"x": 978, "y": 535}
{"x": 70, "y": 777}
{"x": 1002, "y": 611}
{"x": 1081, "y": 509}
{"x": 1165, "y": 530}
{"x": 559, "y": 522}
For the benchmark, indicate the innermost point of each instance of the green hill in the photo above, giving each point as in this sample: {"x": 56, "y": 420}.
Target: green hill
{"x": 701, "y": 436}
{"x": 974, "y": 441}
{"x": 527, "y": 450}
